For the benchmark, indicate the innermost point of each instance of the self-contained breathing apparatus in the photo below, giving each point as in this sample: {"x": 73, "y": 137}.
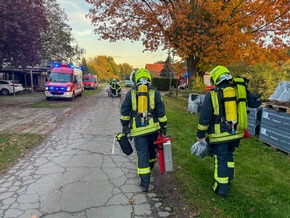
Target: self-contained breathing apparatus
{"x": 142, "y": 101}
{"x": 229, "y": 99}
{"x": 233, "y": 106}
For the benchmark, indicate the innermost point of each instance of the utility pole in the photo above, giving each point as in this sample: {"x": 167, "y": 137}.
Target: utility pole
{"x": 171, "y": 73}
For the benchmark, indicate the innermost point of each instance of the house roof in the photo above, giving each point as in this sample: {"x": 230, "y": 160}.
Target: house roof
{"x": 154, "y": 67}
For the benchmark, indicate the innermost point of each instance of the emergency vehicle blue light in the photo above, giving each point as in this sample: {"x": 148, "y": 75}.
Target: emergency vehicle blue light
{"x": 71, "y": 65}
{"x": 52, "y": 88}
{"x": 56, "y": 64}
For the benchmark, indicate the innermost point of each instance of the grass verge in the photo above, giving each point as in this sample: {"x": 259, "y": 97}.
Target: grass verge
{"x": 49, "y": 104}
{"x": 15, "y": 146}
{"x": 89, "y": 92}
{"x": 262, "y": 176}
{"x": 63, "y": 103}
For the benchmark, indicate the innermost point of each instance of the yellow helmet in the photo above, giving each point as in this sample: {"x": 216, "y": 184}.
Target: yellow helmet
{"x": 142, "y": 73}
{"x": 114, "y": 79}
{"x": 217, "y": 72}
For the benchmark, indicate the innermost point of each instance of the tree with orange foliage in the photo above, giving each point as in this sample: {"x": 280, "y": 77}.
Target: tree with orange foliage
{"x": 124, "y": 71}
{"x": 105, "y": 67}
{"x": 220, "y": 31}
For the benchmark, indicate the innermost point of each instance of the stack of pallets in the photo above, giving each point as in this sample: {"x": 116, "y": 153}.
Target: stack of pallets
{"x": 275, "y": 126}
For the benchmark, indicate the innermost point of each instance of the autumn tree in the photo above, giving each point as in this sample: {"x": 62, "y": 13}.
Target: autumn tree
{"x": 84, "y": 65}
{"x": 200, "y": 31}
{"x": 124, "y": 70}
{"x": 198, "y": 85}
{"x": 168, "y": 70}
{"x": 22, "y": 23}
{"x": 263, "y": 77}
{"x": 34, "y": 30}
{"x": 105, "y": 67}
{"x": 92, "y": 70}
{"x": 58, "y": 42}
{"x": 286, "y": 69}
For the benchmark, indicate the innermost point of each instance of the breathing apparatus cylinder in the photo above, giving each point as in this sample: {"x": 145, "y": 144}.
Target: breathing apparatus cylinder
{"x": 230, "y": 104}
{"x": 142, "y": 102}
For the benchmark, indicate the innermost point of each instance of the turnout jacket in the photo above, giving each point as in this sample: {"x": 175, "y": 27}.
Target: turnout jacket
{"x": 214, "y": 126}
{"x": 114, "y": 86}
{"x": 156, "y": 114}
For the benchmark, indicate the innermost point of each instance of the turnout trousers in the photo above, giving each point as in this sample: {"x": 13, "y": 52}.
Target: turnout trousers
{"x": 224, "y": 166}
{"x": 146, "y": 157}
{"x": 113, "y": 91}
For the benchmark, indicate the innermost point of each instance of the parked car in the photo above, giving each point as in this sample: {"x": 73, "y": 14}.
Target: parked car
{"x": 129, "y": 83}
{"x": 6, "y": 87}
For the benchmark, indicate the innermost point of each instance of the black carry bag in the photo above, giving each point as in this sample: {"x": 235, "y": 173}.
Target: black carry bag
{"x": 124, "y": 143}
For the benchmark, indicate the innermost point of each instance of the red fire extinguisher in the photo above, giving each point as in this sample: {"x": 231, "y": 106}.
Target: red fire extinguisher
{"x": 159, "y": 142}
{"x": 247, "y": 134}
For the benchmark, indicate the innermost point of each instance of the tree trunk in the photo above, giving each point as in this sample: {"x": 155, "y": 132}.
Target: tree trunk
{"x": 191, "y": 69}
{"x": 1, "y": 61}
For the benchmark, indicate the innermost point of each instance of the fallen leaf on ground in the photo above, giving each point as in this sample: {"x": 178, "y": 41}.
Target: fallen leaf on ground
{"x": 131, "y": 201}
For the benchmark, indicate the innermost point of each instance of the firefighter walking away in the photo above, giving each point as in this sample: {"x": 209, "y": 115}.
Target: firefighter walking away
{"x": 143, "y": 116}
{"x": 223, "y": 119}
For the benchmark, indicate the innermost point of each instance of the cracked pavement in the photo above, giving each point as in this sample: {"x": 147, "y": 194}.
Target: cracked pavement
{"x": 73, "y": 172}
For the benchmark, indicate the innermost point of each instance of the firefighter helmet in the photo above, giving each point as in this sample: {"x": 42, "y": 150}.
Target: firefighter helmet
{"x": 142, "y": 73}
{"x": 217, "y": 72}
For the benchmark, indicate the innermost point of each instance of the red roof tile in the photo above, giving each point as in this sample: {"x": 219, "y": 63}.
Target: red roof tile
{"x": 154, "y": 67}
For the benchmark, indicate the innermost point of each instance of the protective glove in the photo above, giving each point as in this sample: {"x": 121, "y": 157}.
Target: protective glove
{"x": 126, "y": 130}
{"x": 200, "y": 148}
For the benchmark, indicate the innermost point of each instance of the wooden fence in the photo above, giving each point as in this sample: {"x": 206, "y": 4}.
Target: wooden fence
{"x": 174, "y": 92}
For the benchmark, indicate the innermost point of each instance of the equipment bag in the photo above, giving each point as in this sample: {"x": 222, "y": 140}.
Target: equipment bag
{"x": 124, "y": 143}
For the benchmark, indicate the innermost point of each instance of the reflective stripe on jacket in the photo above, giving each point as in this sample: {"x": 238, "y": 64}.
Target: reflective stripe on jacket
{"x": 211, "y": 120}
{"x": 157, "y": 116}
{"x": 113, "y": 85}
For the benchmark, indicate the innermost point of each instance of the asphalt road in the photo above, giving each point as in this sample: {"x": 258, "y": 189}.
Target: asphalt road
{"x": 73, "y": 172}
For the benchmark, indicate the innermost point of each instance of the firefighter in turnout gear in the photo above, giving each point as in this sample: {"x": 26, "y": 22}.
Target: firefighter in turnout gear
{"x": 115, "y": 88}
{"x": 223, "y": 118}
{"x": 143, "y": 116}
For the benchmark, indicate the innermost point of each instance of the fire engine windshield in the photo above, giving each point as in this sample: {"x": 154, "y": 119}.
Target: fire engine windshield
{"x": 60, "y": 77}
{"x": 89, "y": 79}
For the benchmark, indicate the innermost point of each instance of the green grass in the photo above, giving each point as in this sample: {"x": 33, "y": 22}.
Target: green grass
{"x": 90, "y": 92}
{"x": 261, "y": 187}
{"x": 63, "y": 103}
{"x": 14, "y": 146}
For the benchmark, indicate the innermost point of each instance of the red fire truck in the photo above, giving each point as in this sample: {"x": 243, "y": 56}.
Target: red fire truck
{"x": 90, "y": 81}
{"x": 65, "y": 81}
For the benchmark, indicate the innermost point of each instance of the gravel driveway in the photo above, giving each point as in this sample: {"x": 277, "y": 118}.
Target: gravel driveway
{"x": 16, "y": 115}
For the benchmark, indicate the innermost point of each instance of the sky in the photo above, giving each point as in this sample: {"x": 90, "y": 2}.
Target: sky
{"x": 121, "y": 51}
